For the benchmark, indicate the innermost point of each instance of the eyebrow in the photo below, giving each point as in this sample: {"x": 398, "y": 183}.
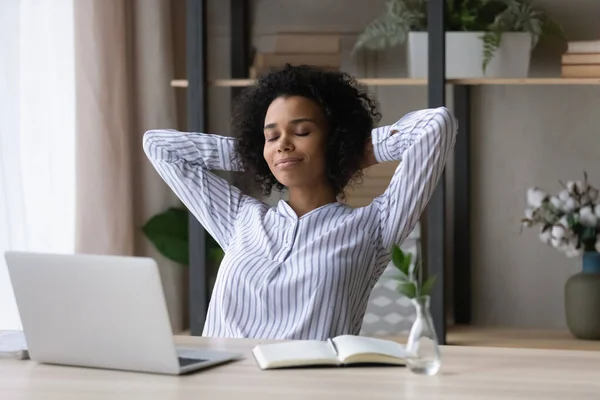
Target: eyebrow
{"x": 294, "y": 121}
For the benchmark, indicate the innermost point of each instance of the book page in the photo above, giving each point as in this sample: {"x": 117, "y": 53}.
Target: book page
{"x": 295, "y": 353}
{"x": 358, "y": 349}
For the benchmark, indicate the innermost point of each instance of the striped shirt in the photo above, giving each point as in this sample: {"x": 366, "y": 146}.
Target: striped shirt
{"x": 284, "y": 277}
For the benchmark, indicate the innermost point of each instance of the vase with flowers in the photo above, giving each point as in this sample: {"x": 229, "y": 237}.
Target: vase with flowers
{"x": 570, "y": 223}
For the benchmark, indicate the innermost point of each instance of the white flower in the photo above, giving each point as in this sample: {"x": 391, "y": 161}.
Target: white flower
{"x": 556, "y": 202}
{"x": 545, "y": 236}
{"x": 564, "y": 222}
{"x": 570, "y": 204}
{"x": 529, "y": 213}
{"x": 559, "y": 244}
{"x": 564, "y": 195}
{"x": 561, "y": 237}
{"x": 558, "y": 232}
{"x": 587, "y": 217}
{"x": 535, "y": 197}
{"x": 577, "y": 187}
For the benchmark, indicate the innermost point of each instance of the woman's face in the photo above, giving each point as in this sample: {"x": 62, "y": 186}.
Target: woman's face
{"x": 295, "y": 141}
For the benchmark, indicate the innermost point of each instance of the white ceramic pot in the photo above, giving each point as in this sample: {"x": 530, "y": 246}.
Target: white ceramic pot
{"x": 464, "y": 55}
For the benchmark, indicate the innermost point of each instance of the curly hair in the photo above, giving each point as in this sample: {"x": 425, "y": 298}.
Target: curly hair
{"x": 349, "y": 111}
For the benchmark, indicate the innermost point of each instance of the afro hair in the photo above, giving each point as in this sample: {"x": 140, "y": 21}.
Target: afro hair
{"x": 349, "y": 111}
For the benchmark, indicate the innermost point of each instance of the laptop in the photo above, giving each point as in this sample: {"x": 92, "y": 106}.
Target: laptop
{"x": 100, "y": 311}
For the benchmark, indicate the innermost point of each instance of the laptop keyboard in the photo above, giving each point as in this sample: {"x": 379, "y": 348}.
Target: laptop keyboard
{"x": 184, "y": 362}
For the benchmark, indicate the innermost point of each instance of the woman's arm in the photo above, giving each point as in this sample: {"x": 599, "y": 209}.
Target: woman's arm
{"x": 421, "y": 141}
{"x": 184, "y": 161}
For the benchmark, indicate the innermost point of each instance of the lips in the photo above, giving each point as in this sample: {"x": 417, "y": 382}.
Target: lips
{"x": 287, "y": 162}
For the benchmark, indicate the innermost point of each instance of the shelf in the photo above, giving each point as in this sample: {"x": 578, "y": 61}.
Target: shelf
{"x": 366, "y": 81}
{"x": 182, "y": 83}
{"x": 525, "y": 81}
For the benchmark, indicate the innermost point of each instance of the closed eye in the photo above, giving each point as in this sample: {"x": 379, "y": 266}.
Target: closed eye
{"x": 302, "y": 134}
{"x": 272, "y": 139}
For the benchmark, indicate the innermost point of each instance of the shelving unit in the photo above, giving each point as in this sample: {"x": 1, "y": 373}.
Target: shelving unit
{"x": 197, "y": 86}
{"x": 183, "y": 83}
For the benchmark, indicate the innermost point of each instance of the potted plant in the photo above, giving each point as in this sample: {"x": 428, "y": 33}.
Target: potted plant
{"x": 570, "y": 223}
{"x": 168, "y": 233}
{"x": 422, "y": 340}
{"x": 484, "y": 38}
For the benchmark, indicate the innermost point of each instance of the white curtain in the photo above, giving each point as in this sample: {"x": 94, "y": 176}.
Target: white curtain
{"x": 37, "y": 134}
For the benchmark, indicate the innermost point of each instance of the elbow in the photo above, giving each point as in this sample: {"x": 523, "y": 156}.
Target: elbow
{"x": 447, "y": 118}
{"x": 445, "y": 123}
{"x": 148, "y": 140}
{"x": 153, "y": 145}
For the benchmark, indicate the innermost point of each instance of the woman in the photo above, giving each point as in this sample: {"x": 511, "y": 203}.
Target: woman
{"x": 303, "y": 269}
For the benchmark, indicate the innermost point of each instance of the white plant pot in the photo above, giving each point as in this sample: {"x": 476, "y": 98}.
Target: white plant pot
{"x": 464, "y": 55}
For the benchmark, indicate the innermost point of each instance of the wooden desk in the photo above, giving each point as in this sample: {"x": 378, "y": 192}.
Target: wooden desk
{"x": 467, "y": 373}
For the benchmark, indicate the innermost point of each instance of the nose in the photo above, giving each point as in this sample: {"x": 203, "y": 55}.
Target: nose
{"x": 285, "y": 144}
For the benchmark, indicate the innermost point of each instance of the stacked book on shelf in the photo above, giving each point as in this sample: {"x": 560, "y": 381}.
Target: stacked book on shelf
{"x": 582, "y": 60}
{"x": 311, "y": 48}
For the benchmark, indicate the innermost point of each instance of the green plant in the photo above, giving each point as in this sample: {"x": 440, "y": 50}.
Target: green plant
{"x": 518, "y": 16}
{"x": 168, "y": 233}
{"x": 410, "y": 274}
{"x": 493, "y": 17}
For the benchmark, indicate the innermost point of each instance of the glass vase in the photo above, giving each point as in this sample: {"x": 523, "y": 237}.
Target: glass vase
{"x": 422, "y": 340}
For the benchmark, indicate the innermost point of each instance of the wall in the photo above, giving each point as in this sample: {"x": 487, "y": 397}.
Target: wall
{"x": 525, "y": 136}
{"x": 522, "y": 136}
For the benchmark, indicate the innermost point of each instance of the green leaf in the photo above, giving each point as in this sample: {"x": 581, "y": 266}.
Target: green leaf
{"x": 551, "y": 29}
{"x": 570, "y": 220}
{"x": 407, "y": 263}
{"x": 427, "y": 286}
{"x": 401, "y": 261}
{"x": 391, "y": 27}
{"x": 491, "y": 43}
{"x": 168, "y": 232}
{"x": 407, "y": 289}
{"x": 214, "y": 250}
{"x": 216, "y": 254}
{"x": 382, "y": 33}
{"x": 397, "y": 257}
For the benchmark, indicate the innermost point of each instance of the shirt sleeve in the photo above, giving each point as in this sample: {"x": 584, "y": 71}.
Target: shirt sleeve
{"x": 185, "y": 161}
{"x": 422, "y": 141}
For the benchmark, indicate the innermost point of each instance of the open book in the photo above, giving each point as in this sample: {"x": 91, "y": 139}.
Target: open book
{"x": 339, "y": 351}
